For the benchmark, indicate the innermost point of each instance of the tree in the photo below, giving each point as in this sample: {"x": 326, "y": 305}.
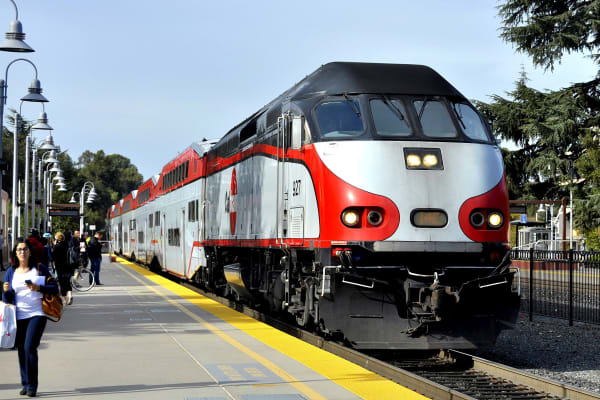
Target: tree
{"x": 113, "y": 177}
{"x": 549, "y": 125}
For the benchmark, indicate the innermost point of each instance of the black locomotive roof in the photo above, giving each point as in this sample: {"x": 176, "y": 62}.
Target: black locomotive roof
{"x": 337, "y": 78}
{"x": 351, "y": 77}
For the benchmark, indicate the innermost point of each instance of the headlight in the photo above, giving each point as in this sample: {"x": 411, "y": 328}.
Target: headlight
{"x": 423, "y": 158}
{"x": 374, "y": 217}
{"x": 350, "y": 218}
{"x": 495, "y": 219}
{"x": 413, "y": 160}
{"x": 430, "y": 160}
{"x": 477, "y": 219}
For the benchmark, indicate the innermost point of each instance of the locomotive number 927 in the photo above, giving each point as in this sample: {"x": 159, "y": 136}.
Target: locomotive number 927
{"x": 368, "y": 201}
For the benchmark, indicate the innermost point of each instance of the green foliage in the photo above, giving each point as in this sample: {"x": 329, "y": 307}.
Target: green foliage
{"x": 546, "y": 30}
{"x": 592, "y": 240}
{"x": 113, "y": 177}
{"x": 548, "y": 125}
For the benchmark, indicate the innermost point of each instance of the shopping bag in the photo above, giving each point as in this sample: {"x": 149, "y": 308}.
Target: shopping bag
{"x": 52, "y": 305}
{"x": 8, "y": 325}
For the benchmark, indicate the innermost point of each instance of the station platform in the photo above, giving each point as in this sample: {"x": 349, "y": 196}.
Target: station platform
{"x": 141, "y": 336}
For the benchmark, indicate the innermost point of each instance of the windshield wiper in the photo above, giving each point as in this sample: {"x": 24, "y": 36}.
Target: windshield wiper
{"x": 462, "y": 123}
{"x": 390, "y": 104}
{"x": 423, "y": 108}
{"x": 352, "y": 105}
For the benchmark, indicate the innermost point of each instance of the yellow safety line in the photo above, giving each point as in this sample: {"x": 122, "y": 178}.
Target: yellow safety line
{"x": 301, "y": 387}
{"x": 350, "y": 376}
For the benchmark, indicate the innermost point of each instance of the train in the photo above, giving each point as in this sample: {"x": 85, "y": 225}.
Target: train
{"x": 368, "y": 202}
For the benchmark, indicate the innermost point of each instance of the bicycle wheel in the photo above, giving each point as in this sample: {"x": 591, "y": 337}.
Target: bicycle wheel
{"x": 83, "y": 280}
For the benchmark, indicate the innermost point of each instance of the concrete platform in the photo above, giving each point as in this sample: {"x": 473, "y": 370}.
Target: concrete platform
{"x": 141, "y": 336}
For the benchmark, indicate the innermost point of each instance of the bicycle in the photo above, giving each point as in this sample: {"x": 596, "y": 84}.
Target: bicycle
{"x": 83, "y": 280}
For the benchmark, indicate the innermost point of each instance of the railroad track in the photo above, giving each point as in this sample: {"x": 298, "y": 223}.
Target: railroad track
{"x": 448, "y": 375}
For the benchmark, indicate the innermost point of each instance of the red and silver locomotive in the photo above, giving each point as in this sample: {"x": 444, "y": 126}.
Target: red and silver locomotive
{"x": 368, "y": 200}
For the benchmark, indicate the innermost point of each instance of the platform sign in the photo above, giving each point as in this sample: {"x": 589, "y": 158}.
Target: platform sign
{"x": 523, "y": 218}
{"x": 59, "y": 212}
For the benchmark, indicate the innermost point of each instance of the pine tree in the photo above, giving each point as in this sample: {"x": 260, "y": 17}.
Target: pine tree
{"x": 549, "y": 125}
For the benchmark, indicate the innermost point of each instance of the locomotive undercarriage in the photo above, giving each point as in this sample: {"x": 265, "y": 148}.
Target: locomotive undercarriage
{"x": 423, "y": 304}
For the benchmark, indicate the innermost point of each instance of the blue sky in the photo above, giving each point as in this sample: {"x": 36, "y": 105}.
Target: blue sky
{"x": 147, "y": 78}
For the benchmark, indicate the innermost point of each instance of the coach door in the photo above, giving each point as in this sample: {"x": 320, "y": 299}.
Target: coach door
{"x": 163, "y": 241}
{"x": 183, "y": 241}
{"x": 289, "y": 137}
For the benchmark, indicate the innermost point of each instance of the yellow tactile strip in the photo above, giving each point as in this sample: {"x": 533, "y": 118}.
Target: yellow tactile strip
{"x": 352, "y": 377}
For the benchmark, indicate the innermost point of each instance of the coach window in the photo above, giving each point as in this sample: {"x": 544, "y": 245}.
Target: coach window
{"x": 435, "y": 119}
{"x": 340, "y": 119}
{"x": 470, "y": 122}
{"x": 191, "y": 211}
{"x": 150, "y": 220}
{"x": 157, "y": 218}
{"x": 390, "y": 118}
{"x": 141, "y": 237}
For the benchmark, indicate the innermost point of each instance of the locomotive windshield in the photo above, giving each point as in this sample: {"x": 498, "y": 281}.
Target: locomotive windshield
{"x": 340, "y": 119}
{"x": 395, "y": 117}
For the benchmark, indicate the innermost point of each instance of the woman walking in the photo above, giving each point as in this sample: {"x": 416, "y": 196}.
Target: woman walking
{"x": 61, "y": 264}
{"x": 23, "y": 288}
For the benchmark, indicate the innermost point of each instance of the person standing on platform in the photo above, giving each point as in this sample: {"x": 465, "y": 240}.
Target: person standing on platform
{"x": 63, "y": 269}
{"x": 24, "y": 289}
{"x": 38, "y": 248}
{"x": 83, "y": 250}
{"x": 95, "y": 255}
{"x": 1, "y": 250}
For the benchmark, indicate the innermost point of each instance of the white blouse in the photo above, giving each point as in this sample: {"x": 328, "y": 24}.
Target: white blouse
{"x": 29, "y": 303}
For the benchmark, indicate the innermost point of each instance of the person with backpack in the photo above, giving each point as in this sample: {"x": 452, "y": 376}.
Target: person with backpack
{"x": 63, "y": 268}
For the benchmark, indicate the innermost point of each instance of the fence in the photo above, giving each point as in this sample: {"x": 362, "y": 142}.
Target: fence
{"x": 561, "y": 284}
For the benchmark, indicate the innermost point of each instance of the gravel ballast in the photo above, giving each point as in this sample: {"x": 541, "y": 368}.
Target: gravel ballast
{"x": 552, "y": 349}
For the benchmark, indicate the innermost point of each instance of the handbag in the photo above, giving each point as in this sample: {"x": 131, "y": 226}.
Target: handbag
{"x": 8, "y": 325}
{"x": 52, "y": 305}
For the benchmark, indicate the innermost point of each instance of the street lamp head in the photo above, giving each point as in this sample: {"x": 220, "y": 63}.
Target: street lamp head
{"x": 35, "y": 93}
{"x": 15, "y": 39}
{"x": 49, "y": 145}
{"x": 72, "y": 198}
{"x": 93, "y": 192}
{"x": 42, "y": 123}
{"x": 56, "y": 168}
{"x": 51, "y": 154}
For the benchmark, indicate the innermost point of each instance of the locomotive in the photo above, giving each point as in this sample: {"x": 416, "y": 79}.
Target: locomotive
{"x": 367, "y": 202}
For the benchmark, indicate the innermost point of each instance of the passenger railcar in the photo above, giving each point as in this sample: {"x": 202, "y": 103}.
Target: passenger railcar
{"x": 368, "y": 200}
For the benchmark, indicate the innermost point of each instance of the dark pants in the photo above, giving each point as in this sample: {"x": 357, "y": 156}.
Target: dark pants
{"x": 29, "y": 335}
{"x": 95, "y": 263}
{"x": 64, "y": 281}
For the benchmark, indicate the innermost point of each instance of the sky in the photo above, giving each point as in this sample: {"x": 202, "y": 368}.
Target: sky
{"x": 146, "y": 78}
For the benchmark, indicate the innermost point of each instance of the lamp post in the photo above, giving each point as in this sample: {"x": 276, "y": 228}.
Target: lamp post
{"x": 88, "y": 188}
{"x": 35, "y": 95}
{"x": 48, "y": 186}
{"x": 14, "y": 42}
{"x": 48, "y": 158}
{"x": 571, "y": 158}
{"x": 42, "y": 124}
